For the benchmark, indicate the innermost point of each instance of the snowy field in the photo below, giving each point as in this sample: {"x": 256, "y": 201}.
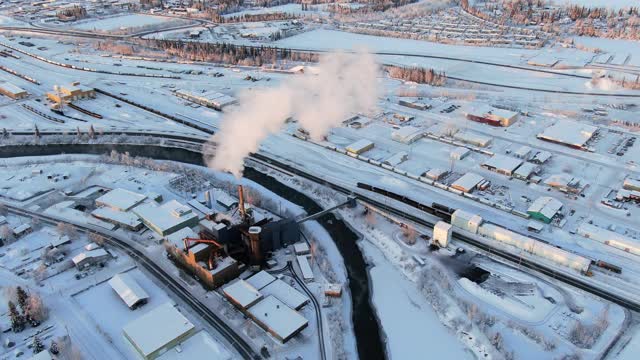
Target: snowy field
{"x": 120, "y": 22}
{"x": 287, "y": 8}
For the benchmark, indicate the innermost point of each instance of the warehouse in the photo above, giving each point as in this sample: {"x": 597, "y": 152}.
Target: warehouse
{"x": 544, "y": 209}
{"x": 12, "y": 91}
{"x": 502, "y": 164}
{"x": 285, "y": 293}
{"x": 242, "y": 294}
{"x": 525, "y": 171}
{"x": 128, "y": 289}
{"x": 407, "y": 134}
{"x": 468, "y": 182}
{"x": 492, "y": 116}
{"x": 167, "y": 218}
{"x": 120, "y": 199}
{"x": 436, "y": 174}
{"x": 301, "y": 248}
{"x": 397, "y": 158}
{"x": 71, "y": 92}
{"x": 473, "y": 139}
{"x": 541, "y": 157}
{"x": 260, "y": 280}
{"x": 157, "y": 331}
{"x": 360, "y": 146}
{"x": 414, "y": 104}
{"x": 89, "y": 258}
{"x": 466, "y": 221}
{"x": 534, "y": 247}
{"x": 523, "y": 152}
{"x": 305, "y": 268}
{"x": 569, "y": 133}
{"x": 277, "y": 318}
{"x": 565, "y": 183}
{"x": 211, "y": 99}
{"x": 631, "y": 184}
{"x": 123, "y": 219}
{"x": 459, "y": 153}
{"x": 610, "y": 238}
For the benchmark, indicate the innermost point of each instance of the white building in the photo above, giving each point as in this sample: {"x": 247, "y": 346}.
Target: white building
{"x": 459, "y": 153}
{"x": 397, "y": 158}
{"x": 157, "y": 331}
{"x": 166, "y": 218}
{"x": 129, "y": 290}
{"x": 407, "y": 134}
{"x": 571, "y": 133}
{"x": 305, "y": 268}
{"x": 610, "y": 238}
{"x": 242, "y": 294}
{"x": 466, "y": 221}
{"x": 12, "y": 91}
{"x": 473, "y": 139}
{"x": 120, "y": 199}
{"x": 502, "y": 164}
{"x": 123, "y": 219}
{"x": 301, "y": 248}
{"x": 285, "y": 293}
{"x": 260, "y": 280}
{"x": 442, "y": 233}
{"x": 277, "y": 318}
{"x": 468, "y": 182}
{"x": 91, "y": 257}
{"x": 631, "y": 184}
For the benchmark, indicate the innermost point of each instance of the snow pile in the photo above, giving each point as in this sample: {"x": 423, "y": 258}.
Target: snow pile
{"x": 345, "y": 84}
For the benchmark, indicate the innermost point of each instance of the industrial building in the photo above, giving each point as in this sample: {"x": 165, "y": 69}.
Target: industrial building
{"x": 396, "y": 159}
{"x": 260, "y": 280}
{"x": 360, "y": 146}
{"x": 305, "y": 268}
{"x": 492, "y": 116}
{"x": 166, "y": 218}
{"x": 436, "y": 174}
{"x": 157, "y": 331}
{"x": 129, "y": 290}
{"x": 415, "y": 104}
{"x": 631, "y": 184}
{"x": 407, "y": 134}
{"x": 468, "y": 182}
{"x": 442, "y": 233}
{"x": 475, "y": 224}
{"x": 544, "y": 209}
{"x": 120, "y": 199}
{"x": 89, "y": 258}
{"x": 565, "y": 183}
{"x": 523, "y": 152}
{"x": 502, "y": 164}
{"x": 277, "y": 318}
{"x": 301, "y": 248}
{"x": 211, "y": 99}
{"x": 126, "y": 220}
{"x": 12, "y": 91}
{"x": 525, "y": 171}
{"x": 569, "y": 133}
{"x": 285, "y": 293}
{"x": 71, "y": 92}
{"x": 610, "y": 238}
{"x": 541, "y": 157}
{"x": 242, "y": 294}
{"x": 473, "y": 139}
{"x": 21, "y": 230}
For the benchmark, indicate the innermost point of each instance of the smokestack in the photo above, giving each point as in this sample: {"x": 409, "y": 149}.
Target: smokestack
{"x": 208, "y": 199}
{"x": 243, "y": 212}
{"x": 254, "y": 242}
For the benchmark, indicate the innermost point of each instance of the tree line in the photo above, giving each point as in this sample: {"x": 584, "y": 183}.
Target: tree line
{"x": 274, "y": 16}
{"x": 229, "y": 53}
{"x": 417, "y": 74}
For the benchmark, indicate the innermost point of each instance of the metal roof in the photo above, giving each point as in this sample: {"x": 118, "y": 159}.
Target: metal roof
{"x": 128, "y": 289}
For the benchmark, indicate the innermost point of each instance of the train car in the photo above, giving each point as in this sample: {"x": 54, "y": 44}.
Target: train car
{"x": 607, "y": 266}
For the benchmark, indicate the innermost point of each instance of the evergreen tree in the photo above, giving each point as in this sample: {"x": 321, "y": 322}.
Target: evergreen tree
{"x": 22, "y": 299}
{"x": 54, "y": 348}
{"x": 37, "y": 131}
{"x": 37, "y": 345}
{"x": 17, "y": 320}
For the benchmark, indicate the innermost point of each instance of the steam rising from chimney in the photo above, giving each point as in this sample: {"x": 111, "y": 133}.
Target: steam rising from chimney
{"x": 344, "y": 84}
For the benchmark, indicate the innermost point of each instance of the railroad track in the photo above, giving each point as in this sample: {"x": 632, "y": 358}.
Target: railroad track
{"x": 178, "y": 289}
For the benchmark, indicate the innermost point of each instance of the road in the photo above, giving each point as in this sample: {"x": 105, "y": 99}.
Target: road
{"x": 117, "y": 241}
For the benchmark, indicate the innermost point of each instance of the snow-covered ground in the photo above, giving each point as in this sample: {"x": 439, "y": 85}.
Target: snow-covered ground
{"x": 120, "y": 22}
{"x": 612, "y": 4}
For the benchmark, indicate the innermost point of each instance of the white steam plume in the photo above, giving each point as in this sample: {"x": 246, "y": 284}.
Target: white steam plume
{"x": 344, "y": 84}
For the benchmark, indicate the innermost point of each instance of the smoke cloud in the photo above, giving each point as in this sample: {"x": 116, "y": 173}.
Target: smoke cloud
{"x": 342, "y": 85}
